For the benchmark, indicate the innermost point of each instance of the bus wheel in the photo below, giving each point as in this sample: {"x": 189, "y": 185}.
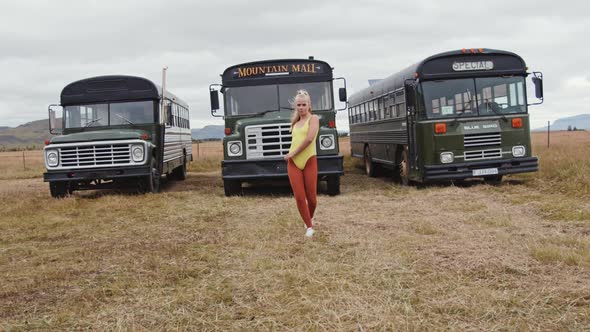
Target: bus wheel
{"x": 179, "y": 173}
{"x": 333, "y": 182}
{"x": 369, "y": 165}
{"x": 493, "y": 180}
{"x": 59, "y": 189}
{"x": 403, "y": 168}
{"x": 152, "y": 182}
{"x": 232, "y": 187}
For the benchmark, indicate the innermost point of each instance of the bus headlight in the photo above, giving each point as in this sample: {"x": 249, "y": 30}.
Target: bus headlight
{"x": 52, "y": 157}
{"x": 234, "y": 148}
{"x": 137, "y": 153}
{"x": 327, "y": 142}
{"x": 447, "y": 157}
{"x": 518, "y": 151}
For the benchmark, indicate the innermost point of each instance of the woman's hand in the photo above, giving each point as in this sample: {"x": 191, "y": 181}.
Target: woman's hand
{"x": 288, "y": 156}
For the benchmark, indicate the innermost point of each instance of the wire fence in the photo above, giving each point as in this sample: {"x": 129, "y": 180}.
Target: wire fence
{"x": 207, "y": 150}
{"x": 32, "y": 160}
{"x": 21, "y": 160}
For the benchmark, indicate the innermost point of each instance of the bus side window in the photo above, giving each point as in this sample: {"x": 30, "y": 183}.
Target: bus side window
{"x": 174, "y": 111}
{"x": 501, "y": 95}
{"x": 435, "y": 106}
{"x": 364, "y": 112}
{"x": 376, "y": 105}
{"x": 467, "y": 102}
{"x": 168, "y": 113}
{"x": 458, "y": 104}
{"x": 360, "y": 113}
{"x": 392, "y": 109}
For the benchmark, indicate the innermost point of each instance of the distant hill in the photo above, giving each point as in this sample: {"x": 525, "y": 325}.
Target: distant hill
{"x": 28, "y": 134}
{"x": 208, "y": 132}
{"x": 581, "y": 121}
{"x": 36, "y": 132}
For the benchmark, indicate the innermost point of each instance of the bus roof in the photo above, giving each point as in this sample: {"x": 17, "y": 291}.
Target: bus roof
{"x": 277, "y": 71}
{"x": 447, "y": 65}
{"x": 113, "y": 88}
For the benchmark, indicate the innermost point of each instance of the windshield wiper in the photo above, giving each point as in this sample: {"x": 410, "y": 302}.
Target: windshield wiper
{"x": 464, "y": 107}
{"x": 264, "y": 112}
{"x": 91, "y": 122}
{"x": 494, "y": 107}
{"x": 124, "y": 118}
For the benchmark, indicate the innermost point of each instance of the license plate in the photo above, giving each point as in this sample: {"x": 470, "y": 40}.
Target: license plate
{"x": 485, "y": 171}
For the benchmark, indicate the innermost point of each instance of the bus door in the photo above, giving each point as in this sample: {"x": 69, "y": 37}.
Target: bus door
{"x": 410, "y": 93}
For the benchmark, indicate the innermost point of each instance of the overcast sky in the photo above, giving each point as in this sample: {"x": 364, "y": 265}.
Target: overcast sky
{"x": 48, "y": 44}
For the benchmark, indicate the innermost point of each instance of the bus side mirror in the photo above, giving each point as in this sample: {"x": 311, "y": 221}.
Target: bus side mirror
{"x": 214, "y": 96}
{"x": 538, "y": 87}
{"x": 342, "y": 94}
{"x": 537, "y": 79}
{"x": 55, "y": 119}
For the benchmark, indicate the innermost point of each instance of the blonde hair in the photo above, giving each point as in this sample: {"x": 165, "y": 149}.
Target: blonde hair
{"x": 301, "y": 94}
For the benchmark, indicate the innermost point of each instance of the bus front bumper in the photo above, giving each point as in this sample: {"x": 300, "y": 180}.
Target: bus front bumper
{"x": 466, "y": 170}
{"x": 275, "y": 168}
{"x": 95, "y": 173}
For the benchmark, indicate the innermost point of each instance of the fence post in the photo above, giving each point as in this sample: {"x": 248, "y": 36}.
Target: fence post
{"x": 548, "y": 132}
{"x": 24, "y": 163}
{"x": 198, "y": 157}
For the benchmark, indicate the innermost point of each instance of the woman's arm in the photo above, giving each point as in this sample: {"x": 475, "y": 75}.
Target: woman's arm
{"x": 314, "y": 126}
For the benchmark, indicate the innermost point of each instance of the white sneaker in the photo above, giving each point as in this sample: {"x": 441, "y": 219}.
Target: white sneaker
{"x": 309, "y": 232}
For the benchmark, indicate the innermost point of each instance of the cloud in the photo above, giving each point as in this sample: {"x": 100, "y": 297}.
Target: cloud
{"x": 48, "y": 44}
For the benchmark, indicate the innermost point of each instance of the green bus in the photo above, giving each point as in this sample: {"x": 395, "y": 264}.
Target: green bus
{"x": 455, "y": 115}
{"x": 116, "y": 131}
{"x": 257, "y": 113}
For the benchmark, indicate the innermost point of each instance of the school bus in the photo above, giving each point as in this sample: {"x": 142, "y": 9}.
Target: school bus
{"x": 455, "y": 115}
{"x": 116, "y": 131}
{"x": 257, "y": 112}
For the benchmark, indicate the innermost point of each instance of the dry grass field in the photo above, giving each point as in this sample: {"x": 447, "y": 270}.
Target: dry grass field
{"x": 385, "y": 257}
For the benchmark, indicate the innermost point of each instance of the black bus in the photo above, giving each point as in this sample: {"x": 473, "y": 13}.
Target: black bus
{"x": 454, "y": 115}
{"x": 257, "y": 119}
{"x": 116, "y": 131}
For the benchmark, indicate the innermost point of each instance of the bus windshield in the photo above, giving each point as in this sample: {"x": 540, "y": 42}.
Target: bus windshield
{"x": 260, "y": 98}
{"x": 98, "y": 115}
{"x": 474, "y": 97}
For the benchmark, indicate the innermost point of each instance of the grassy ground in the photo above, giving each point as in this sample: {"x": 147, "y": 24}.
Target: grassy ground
{"x": 471, "y": 257}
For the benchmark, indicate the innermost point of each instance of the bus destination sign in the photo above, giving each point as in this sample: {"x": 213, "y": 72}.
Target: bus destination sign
{"x": 473, "y": 65}
{"x": 278, "y": 69}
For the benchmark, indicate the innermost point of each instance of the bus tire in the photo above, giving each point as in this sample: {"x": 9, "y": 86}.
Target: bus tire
{"x": 151, "y": 183}
{"x": 494, "y": 180}
{"x": 232, "y": 187}
{"x": 402, "y": 168}
{"x": 179, "y": 173}
{"x": 59, "y": 189}
{"x": 333, "y": 184}
{"x": 369, "y": 164}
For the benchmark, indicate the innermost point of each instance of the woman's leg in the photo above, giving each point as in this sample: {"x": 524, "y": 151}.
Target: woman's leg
{"x": 298, "y": 186}
{"x": 310, "y": 174}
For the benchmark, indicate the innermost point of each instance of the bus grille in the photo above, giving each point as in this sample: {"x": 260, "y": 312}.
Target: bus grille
{"x": 267, "y": 141}
{"x": 483, "y": 154}
{"x": 482, "y": 140}
{"x": 95, "y": 155}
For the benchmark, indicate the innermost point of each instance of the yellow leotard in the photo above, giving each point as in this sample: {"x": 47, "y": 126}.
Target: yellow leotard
{"x": 297, "y": 138}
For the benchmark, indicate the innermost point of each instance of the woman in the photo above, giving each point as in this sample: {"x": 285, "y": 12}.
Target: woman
{"x": 302, "y": 165}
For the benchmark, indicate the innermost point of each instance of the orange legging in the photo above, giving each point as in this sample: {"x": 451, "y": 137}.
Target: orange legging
{"x": 304, "y": 184}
